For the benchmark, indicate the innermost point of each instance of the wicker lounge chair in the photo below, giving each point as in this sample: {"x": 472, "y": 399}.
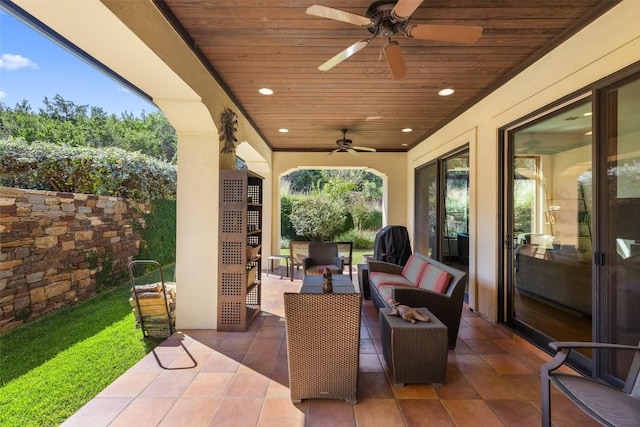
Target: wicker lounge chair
{"x": 323, "y": 345}
{"x": 607, "y": 405}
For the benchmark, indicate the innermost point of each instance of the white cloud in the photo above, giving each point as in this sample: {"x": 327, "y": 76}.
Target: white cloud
{"x": 3, "y": 94}
{"x": 9, "y": 61}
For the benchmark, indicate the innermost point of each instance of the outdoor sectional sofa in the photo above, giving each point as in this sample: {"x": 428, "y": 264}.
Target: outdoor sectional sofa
{"x": 422, "y": 282}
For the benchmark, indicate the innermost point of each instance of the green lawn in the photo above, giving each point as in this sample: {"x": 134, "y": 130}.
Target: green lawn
{"x": 51, "y": 367}
{"x": 358, "y": 253}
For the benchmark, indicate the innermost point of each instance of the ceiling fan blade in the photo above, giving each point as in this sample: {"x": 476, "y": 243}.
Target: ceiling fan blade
{"x": 357, "y": 46}
{"x": 405, "y": 8}
{"x": 395, "y": 60}
{"x": 339, "y": 15}
{"x": 354, "y": 152}
{"x": 445, "y": 33}
{"x": 363, "y": 148}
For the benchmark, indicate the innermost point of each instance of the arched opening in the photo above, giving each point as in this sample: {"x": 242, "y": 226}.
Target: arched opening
{"x": 330, "y": 203}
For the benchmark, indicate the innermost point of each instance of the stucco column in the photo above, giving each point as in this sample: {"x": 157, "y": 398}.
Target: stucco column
{"x": 197, "y": 231}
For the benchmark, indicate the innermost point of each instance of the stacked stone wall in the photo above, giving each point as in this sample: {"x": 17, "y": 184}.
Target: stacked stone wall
{"x": 47, "y": 243}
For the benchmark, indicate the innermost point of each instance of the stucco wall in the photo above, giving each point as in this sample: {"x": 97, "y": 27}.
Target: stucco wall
{"x": 46, "y": 242}
{"x": 606, "y": 46}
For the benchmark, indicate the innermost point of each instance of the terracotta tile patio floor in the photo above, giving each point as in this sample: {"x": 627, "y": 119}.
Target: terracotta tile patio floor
{"x": 210, "y": 378}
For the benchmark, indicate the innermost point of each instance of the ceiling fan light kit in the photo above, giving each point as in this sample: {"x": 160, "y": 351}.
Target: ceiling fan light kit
{"x": 385, "y": 18}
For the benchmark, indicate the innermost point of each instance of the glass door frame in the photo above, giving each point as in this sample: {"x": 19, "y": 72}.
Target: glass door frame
{"x": 422, "y": 235}
{"x": 606, "y": 107}
{"x": 506, "y": 224}
{"x": 597, "y": 92}
{"x": 437, "y": 248}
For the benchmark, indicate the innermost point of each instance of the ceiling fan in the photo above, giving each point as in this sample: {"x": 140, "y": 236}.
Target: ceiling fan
{"x": 346, "y": 145}
{"x": 385, "y": 18}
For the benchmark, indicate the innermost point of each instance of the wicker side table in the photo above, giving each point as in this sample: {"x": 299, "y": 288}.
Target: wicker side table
{"x": 415, "y": 353}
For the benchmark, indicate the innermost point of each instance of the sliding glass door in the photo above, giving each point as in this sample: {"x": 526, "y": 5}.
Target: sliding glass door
{"x": 619, "y": 292}
{"x": 426, "y": 210}
{"x": 551, "y": 212}
{"x": 572, "y": 226}
{"x": 442, "y": 209}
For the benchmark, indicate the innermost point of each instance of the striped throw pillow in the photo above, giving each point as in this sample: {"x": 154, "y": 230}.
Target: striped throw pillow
{"x": 414, "y": 269}
{"x": 435, "y": 279}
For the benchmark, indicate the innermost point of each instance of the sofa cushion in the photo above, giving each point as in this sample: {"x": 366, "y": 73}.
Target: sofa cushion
{"x": 385, "y": 292}
{"x": 378, "y": 278}
{"x": 435, "y": 279}
{"x": 319, "y": 269}
{"x": 414, "y": 269}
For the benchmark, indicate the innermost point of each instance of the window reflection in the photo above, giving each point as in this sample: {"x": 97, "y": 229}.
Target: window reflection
{"x": 552, "y": 211}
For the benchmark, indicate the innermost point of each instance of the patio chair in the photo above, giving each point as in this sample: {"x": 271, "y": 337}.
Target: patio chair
{"x": 322, "y": 255}
{"x": 606, "y": 404}
{"x": 298, "y": 250}
{"x": 323, "y": 345}
{"x": 345, "y": 251}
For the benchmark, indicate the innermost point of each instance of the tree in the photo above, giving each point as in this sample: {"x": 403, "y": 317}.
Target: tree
{"x": 64, "y": 123}
{"x": 302, "y": 181}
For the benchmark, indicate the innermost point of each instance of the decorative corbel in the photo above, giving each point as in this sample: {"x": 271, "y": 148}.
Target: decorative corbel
{"x": 229, "y": 121}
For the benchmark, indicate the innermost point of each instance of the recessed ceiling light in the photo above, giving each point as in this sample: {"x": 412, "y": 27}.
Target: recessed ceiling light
{"x": 265, "y": 91}
{"x": 588, "y": 113}
{"x": 283, "y": 130}
{"x": 404, "y": 145}
{"x": 405, "y": 130}
{"x": 589, "y": 133}
{"x": 446, "y": 92}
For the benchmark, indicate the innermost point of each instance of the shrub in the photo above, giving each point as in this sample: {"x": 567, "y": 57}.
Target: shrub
{"x": 284, "y": 244}
{"x": 362, "y": 239}
{"x": 374, "y": 222}
{"x": 317, "y": 217}
{"x": 103, "y": 171}
{"x": 287, "y": 231}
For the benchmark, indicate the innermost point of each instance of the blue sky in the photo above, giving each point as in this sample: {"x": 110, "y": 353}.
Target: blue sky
{"x": 33, "y": 67}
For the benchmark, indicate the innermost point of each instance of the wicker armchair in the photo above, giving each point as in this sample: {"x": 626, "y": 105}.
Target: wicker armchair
{"x": 323, "y": 345}
{"x": 607, "y": 405}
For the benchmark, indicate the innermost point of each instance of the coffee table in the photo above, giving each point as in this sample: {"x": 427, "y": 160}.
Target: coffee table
{"x": 312, "y": 284}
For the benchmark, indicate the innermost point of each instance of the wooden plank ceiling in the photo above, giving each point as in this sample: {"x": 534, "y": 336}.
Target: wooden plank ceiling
{"x": 250, "y": 44}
